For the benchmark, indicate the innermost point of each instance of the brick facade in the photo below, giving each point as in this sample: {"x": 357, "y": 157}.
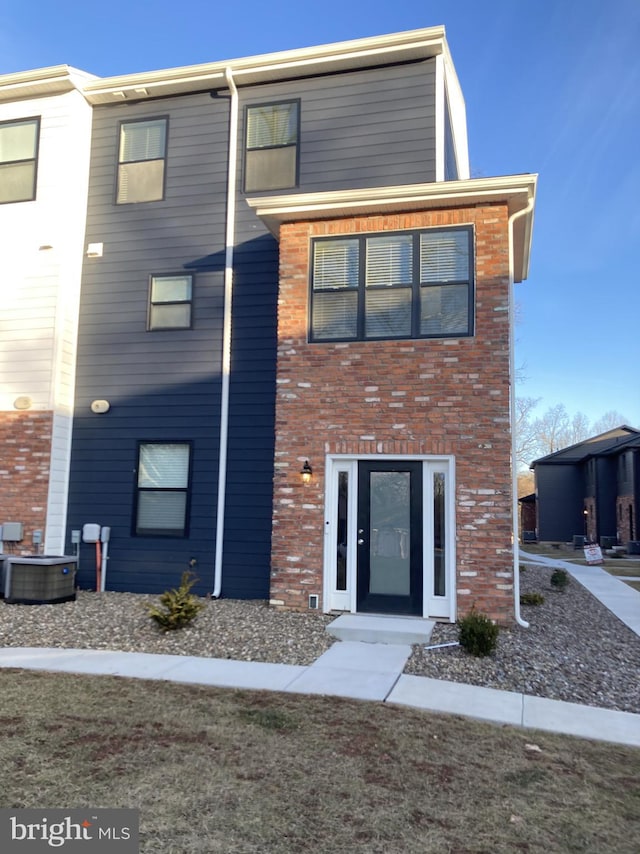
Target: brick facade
{"x": 25, "y": 452}
{"x": 403, "y": 397}
{"x": 626, "y": 516}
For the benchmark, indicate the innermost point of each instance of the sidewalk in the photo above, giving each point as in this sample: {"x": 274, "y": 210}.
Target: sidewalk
{"x": 352, "y": 669}
{"x": 374, "y": 672}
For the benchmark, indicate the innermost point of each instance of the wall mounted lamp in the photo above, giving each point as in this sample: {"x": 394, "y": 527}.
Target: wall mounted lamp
{"x": 306, "y": 472}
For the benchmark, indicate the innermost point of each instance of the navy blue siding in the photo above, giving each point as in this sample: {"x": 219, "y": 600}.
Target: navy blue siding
{"x": 368, "y": 128}
{"x": 560, "y": 491}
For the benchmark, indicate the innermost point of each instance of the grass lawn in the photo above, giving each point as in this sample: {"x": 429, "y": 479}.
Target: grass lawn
{"x": 234, "y": 771}
{"x": 613, "y": 565}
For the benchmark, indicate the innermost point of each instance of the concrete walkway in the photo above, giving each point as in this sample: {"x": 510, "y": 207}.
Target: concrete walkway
{"x": 373, "y": 671}
{"x": 618, "y": 597}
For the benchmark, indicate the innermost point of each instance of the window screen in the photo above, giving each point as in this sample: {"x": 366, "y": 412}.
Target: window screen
{"x": 170, "y": 302}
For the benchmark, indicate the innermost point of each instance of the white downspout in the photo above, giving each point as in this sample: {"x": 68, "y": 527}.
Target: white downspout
{"x": 226, "y": 332}
{"x": 514, "y": 466}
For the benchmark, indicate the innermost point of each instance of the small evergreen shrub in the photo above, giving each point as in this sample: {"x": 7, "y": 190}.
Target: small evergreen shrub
{"x": 559, "y": 579}
{"x": 179, "y": 605}
{"x": 477, "y": 634}
{"x": 531, "y": 599}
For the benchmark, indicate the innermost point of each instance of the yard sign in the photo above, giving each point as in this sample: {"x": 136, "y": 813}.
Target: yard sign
{"x": 593, "y": 554}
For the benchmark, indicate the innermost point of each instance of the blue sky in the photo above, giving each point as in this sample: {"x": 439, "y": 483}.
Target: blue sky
{"x": 551, "y": 86}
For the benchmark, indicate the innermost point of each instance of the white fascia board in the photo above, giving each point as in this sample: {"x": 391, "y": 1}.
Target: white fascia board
{"x": 515, "y": 190}
{"x": 55, "y": 80}
{"x": 360, "y": 53}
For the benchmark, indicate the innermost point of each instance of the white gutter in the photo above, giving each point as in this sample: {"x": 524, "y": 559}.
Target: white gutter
{"x": 514, "y": 468}
{"x": 226, "y": 331}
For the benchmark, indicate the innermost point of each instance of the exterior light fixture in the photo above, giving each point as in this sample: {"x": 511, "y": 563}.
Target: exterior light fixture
{"x": 306, "y": 472}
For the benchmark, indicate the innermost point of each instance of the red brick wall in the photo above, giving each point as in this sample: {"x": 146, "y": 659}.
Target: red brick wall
{"x": 439, "y": 396}
{"x": 25, "y": 452}
{"x": 627, "y": 527}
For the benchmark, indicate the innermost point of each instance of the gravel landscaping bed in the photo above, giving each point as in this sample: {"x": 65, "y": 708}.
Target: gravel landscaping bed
{"x": 574, "y": 650}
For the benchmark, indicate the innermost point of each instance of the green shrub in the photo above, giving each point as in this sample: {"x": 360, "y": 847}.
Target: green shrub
{"x": 531, "y": 599}
{"x": 179, "y": 606}
{"x": 477, "y": 634}
{"x": 559, "y": 579}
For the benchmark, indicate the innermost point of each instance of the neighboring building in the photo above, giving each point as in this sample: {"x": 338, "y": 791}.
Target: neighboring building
{"x": 287, "y": 267}
{"x": 45, "y": 128}
{"x": 591, "y": 489}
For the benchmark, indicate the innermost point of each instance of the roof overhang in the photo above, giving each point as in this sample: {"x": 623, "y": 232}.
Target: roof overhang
{"x": 41, "y": 82}
{"x": 412, "y": 45}
{"x": 516, "y": 191}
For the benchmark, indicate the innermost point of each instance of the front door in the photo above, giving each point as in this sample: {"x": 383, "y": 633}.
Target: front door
{"x": 389, "y": 542}
{"x": 390, "y": 536}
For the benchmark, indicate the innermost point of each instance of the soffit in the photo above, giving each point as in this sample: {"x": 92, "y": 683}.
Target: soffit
{"x": 41, "y": 82}
{"x": 342, "y": 56}
{"x": 516, "y": 191}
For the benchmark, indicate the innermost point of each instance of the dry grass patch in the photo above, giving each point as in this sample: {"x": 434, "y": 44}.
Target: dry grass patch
{"x": 229, "y": 771}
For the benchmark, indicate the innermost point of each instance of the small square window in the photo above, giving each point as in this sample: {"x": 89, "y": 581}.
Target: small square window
{"x": 141, "y": 161}
{"x": 170, "y": 302}
{"x": 18, "y": 160}
{"x": 271, "y": 156}
{"x": 162, "y": 493}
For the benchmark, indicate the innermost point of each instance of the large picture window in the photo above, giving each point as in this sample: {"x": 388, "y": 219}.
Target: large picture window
{"x": 170, "y": 302}
{"x": 141, "y": 161}
{"x": 271, "y": 155}
{"x": 18, "y": 160}
{"x": 162, "y": 494}
{"x": 409, "y": 284}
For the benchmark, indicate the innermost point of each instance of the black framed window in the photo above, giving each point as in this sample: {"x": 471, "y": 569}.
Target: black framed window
{"x": 271, "y": 150}
{"x": 19, "y": 141}
{"x": 141, "y": 161}
{"x": 162, "y": 489}
{"x": 407, "y": 284}
{"x": 170, "y": 300}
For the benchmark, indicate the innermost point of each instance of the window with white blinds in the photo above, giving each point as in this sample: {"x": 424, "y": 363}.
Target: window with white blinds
{"x": 162, "y": 494}
{"x": 18, "y": 160}
{"x": 271, "y": 150}
{"x": 410, "y": 284}
{"x": 141, "y": 161}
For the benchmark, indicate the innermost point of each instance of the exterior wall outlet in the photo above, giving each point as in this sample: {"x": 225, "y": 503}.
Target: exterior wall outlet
{"x": 313, "y": 601}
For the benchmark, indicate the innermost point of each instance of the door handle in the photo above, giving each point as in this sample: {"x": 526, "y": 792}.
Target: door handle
{"x": 360, "y": 542}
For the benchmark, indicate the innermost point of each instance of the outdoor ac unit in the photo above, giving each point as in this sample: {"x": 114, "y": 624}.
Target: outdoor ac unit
{"x": 39, "y": 580}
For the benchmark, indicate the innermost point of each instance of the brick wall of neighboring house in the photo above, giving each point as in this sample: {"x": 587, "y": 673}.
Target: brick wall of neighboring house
{"x": 591, "y": 520}
{"x": 437, "y": 396}
{"x": 25, "y": 451}
{"x": 627, "y": 520}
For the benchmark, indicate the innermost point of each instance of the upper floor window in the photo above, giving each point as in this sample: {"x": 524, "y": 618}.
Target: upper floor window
{"x": 141, "y": 161}
{"x": 271, "y": 156}
{"x": 409, "y": 284}
{"x": 18, "y": 160}
{"x": 170, "y": 302}
{"x": 162, "y": 492}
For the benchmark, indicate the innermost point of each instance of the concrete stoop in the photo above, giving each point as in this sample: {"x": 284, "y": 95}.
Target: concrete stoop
{"x": 368, "y": 628}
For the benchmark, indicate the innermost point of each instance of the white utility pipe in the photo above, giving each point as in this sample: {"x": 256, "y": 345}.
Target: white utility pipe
{"x": 514, "y": 462}
{"x": 226, "y": 332}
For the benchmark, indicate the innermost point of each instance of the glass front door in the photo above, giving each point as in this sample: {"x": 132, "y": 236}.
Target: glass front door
{"x": 389, "y": 538}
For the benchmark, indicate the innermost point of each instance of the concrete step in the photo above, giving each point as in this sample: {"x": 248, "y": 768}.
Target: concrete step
{"x": 371, "y": 628}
